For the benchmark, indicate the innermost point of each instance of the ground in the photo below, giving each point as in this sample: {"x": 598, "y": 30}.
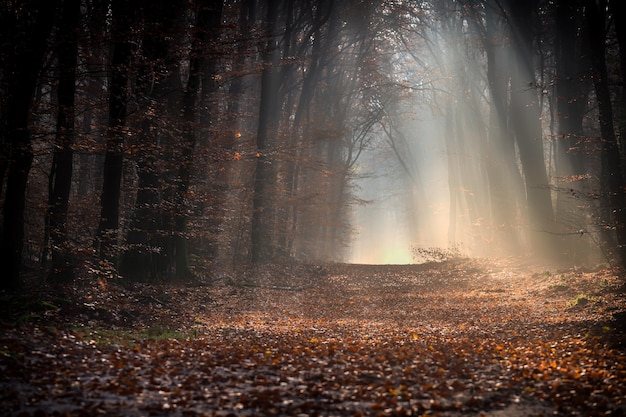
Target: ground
{"x": 457, "y": 338}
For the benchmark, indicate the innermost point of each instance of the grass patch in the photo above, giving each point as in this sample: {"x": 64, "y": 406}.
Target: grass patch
{"x": 580, "y": 300}
{"x": 559, "y": 287}
{"x": 128, "y": 337}
{"x": 162, "y": 332}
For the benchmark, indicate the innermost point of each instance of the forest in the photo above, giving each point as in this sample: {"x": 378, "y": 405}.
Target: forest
{"x": 211, "y": 175}
{"x": 165, "y": 138}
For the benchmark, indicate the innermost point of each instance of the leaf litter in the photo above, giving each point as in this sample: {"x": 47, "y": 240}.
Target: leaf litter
{"x": 457, "y": 338}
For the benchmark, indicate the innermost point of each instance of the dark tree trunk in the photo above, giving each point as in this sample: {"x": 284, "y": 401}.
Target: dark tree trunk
{"x": 149, "y": 252}
{"x": 618, "y": 10}
{"x": 61, "y": 173}
{"x": 322, "y": 39}
{"x": 247, "y": 17}
{"x": 108, "y": 229}
{"x": 205, "y": 36}
{"x": 94, "y": 114}
{"x": 261, "y": 237}
{"x": 525, "y": 113}
{"x": 571, "y": 88}
{"x": 30, "y": 30}
{"x": 611, "y": 175}
{"x": 571, "y": 91}
{"x": 314, "y": 69}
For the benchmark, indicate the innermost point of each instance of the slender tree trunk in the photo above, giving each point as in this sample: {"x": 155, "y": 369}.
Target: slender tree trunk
{"x": 205, "y": 35}
{"x": 237, "y": 122}
{"x": 452, "y": 156}
{"x": 526, "y": 123}
{"x": 571, "y": 91}
{"x": 94, "y": 113}
{"x": 322, "y": 39}
{"x": 261, "y": 237}
{"x": 62, "y": 160}
{"x": 618, "y": 10}
{"x": 247, "y": 17}
{"x": 314, "y": 71}
{"x": 611, "y": 175}
{"x": 108, "y": 229}
{"x": 30, "y": 34}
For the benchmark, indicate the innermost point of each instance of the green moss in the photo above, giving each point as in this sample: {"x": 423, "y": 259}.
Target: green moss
{"x": 579, "y": 301}
{"x": 162, "y": 332}
{"x": 559, "y": 286}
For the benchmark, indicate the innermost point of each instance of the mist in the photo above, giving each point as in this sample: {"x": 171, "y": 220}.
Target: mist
{"x": 466, "y": 161}
{"x": 406, "y": 204}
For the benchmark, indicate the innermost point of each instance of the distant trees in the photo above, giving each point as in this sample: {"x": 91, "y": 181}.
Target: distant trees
{"x": 531, "y": 146}
{"x": 547, "y": 167}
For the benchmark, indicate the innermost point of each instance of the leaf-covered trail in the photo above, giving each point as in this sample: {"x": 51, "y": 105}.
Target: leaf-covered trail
{"x": 464, "y": 338}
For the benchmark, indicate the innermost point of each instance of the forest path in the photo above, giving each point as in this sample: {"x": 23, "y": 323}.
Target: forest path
{"x": 460, "y": 338}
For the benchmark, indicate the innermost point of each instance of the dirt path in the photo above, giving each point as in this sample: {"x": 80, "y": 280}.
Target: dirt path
{"x": 471, "y": 338}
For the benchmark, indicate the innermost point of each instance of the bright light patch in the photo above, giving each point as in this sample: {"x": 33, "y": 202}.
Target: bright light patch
{"x": 397, "y": 255}
{"x": 385, "y": 253}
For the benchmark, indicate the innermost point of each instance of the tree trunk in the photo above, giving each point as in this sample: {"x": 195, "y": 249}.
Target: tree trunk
{"x": 571, "y": 91}
{"x": 108, "y": 228}
{"x": 611, "y": 175}
{"x": 205, "y": 34}
{"x": 94, "y": 114}
{"x": 525, "y": 113}
{"x": 148, "y": 255}
{"x": 29, "y": 44}
{"x": 618, "y": 10}
{"x": 262, "y": 246}
{"x": 501, "y": 167}
{"x": 62, "y": 160}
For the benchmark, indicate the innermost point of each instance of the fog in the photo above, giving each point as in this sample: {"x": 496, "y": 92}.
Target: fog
{"x": 402, "y": 210}
{"x": 404, "y": 174}
{"x": 465, "y": 163}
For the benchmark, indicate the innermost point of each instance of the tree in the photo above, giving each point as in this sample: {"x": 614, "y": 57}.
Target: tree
{"x": 107, "y": 235}
{"x": 570, "y": 97}
{"x": 618, "y": 12}
{"x": 611, "y": 177}
{"x": 149, "y": 251}
{"x": 27, "y": 31}
{"x": 525, "y": 114}
{"x": 202, "y": 60}
{"x": 61, "y": 171}
{"x": 504, "y": 182}
{"x": 261, "y": 242}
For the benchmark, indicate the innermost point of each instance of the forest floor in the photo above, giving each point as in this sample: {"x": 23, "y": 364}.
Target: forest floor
{"x": 458, "y": 338}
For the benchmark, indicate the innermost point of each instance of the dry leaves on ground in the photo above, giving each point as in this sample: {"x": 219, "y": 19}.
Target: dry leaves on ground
{"x": 455, "y": 338}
